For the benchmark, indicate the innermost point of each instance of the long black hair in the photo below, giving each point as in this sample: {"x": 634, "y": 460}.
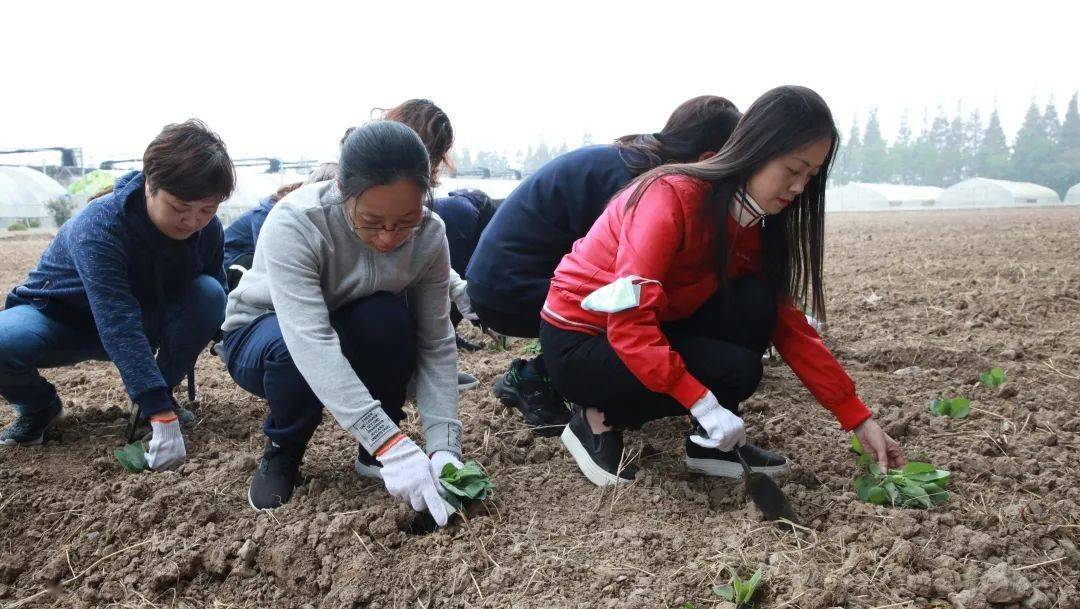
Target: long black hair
{"x": 779, "y": 122}
{"x": 699, "y": 125}
{"x": 380, "y": 153}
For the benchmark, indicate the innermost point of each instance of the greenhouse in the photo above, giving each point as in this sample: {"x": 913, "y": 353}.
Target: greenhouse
{"x": 982, "y": 192}
{"x": 860, "y": 196}
{"x": 1073, "y": 195}
{"x": 24, "y": 195}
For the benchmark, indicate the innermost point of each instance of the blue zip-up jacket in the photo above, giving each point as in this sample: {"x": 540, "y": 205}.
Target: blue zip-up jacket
{"x": 466, "y": 212}
{"x": 243, "y": 233}
{"x": 538, "y": 223}
{"x": 105, "y": 271}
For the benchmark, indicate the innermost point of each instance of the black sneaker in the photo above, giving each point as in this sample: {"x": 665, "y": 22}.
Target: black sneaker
{"x": 725, "y": 464}
{"x": 598, "y": 456}
{"x": 277, "y": 476}
{"x": 530, "y": 392}
{"x": 466, "y": 381}
{"x": 365, "y": 464}
{"x": 29, "y": 429}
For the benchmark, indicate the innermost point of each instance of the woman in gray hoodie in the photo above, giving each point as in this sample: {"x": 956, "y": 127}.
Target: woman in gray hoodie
{"x": 346, "y": 300}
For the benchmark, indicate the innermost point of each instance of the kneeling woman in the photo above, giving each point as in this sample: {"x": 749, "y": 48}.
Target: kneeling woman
{"x": 346, "y": 299}
{"x": 677, "y": 290}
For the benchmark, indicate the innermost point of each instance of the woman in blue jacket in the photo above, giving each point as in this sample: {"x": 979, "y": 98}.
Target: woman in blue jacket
{"x": 243, "y": 232}
{"x": 136, "y": 272}
{"x": 511, "y": 268}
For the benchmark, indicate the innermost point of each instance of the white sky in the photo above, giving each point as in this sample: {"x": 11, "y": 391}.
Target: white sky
{"x": 285, "y": 79}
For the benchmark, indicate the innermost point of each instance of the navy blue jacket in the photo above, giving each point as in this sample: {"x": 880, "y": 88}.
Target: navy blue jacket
{"x": 537, "y": 225}
{"x": 107, "y": 268}
{"x": 466, "y": 212}
{"x": 243, "y": 233}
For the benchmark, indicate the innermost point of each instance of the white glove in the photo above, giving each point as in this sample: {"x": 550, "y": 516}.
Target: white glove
{"x": 726, "y": 430}
{"x": 440, "y": 458}
{"x": 461, "y": 297}
{"x": 406, "y": 472}
{"x": 167, "y": 448}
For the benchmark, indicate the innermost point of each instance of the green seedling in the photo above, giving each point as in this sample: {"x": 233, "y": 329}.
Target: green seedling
{"x": 465, "y": 485}
{"x": 994, "y": 378}
{"x": 738, "y": 591}
{"x": 132, "y": 457}
{"x": 916, "y": 485}
{"x": 956, "y": 408}
{"x": 534, "y": 348}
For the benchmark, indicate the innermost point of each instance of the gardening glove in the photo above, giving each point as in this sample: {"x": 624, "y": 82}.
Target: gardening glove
{"x": 726, "y": 430}
{"x": 406, "y": 472}
{"x": 167, "y": 448}
{"x": 460, "y": 297}
{"x": 440, "y": 458}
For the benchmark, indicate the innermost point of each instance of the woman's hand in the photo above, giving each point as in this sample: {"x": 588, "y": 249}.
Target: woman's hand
{"x": 879, "y": 445}
{"x": 406, "y": 472}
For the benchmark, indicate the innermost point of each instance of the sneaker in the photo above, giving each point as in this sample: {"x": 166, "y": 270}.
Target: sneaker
{"x": 29, "y": 429}
{"x": 541, "y": 407}
{"x": 725, "y": 464}
{"x": 365, "y": 464}
{"x": 598, "y": 456}
{"x": 466, "y": 381}
{"x": 277, "y": 476}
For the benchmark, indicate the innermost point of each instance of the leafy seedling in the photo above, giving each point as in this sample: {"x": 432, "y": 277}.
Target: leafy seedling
{"x": 738, "y": 591}
{"x": 132, "y": 457}
{"x": 994, "y": 378}
{"x": 465, "y": 485}
{"x": 916, "y": 485}
{"x": 955, "y": 408}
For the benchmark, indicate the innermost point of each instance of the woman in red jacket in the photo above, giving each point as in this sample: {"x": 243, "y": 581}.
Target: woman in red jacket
{"x": 677, "y": 290}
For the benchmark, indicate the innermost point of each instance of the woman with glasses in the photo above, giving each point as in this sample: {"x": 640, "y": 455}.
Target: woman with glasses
{"x": 321, "y": 320}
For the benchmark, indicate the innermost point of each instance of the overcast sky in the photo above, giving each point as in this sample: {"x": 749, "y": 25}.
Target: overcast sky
{"x": 286, "y": 79}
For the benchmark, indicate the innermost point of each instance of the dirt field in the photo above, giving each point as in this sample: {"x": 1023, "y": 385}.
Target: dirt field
{"x": 920, "y": 304}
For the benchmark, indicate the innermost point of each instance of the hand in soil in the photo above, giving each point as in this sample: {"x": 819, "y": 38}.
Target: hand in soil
{"x": 882, "y": 448}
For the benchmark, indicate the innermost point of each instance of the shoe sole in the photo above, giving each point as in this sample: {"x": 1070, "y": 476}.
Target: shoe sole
{"x": 596, "y": 474}
{"x": 731, "y": 469}
{"x": 367, "y": 471}
{"x": 512, "y": 399}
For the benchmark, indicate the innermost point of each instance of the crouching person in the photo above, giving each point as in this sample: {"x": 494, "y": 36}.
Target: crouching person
{"x": 347, "y": 299}
{"x": 138, "y": 270}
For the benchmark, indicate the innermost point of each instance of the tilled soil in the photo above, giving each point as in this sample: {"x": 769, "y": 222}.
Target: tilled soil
{"x": 919, "y": 305}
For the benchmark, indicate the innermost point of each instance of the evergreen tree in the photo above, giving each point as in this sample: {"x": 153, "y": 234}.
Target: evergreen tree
{"x": 849, "y": 159}
{"x": 874, "y": 152}
{"x": 992, "y": 159}
{"x": 1068, "y": 147}
{"x": 900, "y": 160}
{"x": 1033, "y": 150}
{"x": 951, "y": 158}
{"x": 934, "y": 151}
{"x": 972, "y": 138}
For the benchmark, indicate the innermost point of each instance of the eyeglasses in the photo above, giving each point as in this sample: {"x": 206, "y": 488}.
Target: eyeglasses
{"x": 397, "y": 229}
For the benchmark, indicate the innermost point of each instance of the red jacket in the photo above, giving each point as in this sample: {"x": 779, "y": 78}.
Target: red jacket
{"x": 666, "y": 238}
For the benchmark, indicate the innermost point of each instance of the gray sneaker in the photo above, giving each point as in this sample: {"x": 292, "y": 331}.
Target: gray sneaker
{"x": 29, "y": 430}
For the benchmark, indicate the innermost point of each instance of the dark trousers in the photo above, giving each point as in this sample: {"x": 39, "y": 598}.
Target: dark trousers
{"x": 234, "y": 275}
{"x": 721, "y": 344}
{"x": 518, "y": 325}
{"x": 377, "y": 337}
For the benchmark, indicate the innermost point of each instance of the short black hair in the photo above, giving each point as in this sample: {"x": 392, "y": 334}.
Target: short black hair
{"x": 189, "y": 162}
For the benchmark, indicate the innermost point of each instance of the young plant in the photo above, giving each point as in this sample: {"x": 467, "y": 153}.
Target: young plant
{"x": 956, "y": 408}
{"x": 132, "y": 457}
{"x": 916, "y": 485}
{"x": 738, "y": 591}
{"x": 992, "y": 379}
{"x": 465, "y": 485}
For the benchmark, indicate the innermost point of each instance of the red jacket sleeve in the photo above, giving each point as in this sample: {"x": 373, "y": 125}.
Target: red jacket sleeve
{"x": 803, "y": 350}
{"x": 650, "y": 236}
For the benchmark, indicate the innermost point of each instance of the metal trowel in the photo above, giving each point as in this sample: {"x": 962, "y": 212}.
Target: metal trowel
{"x": 765, "y": 493}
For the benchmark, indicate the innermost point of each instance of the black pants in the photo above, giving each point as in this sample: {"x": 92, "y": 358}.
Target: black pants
{"x": 377, "y": 337}
{"x": 721, "y": 343}
{"x": 518, "y": 325}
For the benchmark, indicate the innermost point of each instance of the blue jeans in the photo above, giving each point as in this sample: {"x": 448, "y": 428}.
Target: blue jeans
{"x": 377, "y": 337}
{"x": 30, "y": 340}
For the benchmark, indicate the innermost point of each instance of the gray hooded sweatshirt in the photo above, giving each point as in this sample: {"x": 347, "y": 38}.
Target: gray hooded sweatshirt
{"x": 310, "y": 262}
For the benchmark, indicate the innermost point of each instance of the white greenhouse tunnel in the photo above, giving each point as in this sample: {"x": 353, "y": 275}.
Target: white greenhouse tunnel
{"x": 24, "y": 193}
